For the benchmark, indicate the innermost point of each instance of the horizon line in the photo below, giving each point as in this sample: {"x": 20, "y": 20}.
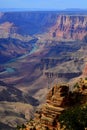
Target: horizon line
{"x": 40, "y": 9}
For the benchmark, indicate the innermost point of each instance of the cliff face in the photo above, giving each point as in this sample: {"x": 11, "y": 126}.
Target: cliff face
{"x": 59, "y": 99}
{"x": 56, "y": 24}
{"x": 46, "y": 119}
{"x": 70, "y": 27}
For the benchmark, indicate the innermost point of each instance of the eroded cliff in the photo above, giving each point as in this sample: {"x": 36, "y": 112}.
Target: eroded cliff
{"x": 59, "y": 98}
{"x": 70, "y": 27}
{"x": 55, "y": 24}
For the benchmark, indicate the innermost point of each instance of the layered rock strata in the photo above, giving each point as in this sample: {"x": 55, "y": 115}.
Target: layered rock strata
{"x": 70, "y": 27}
{"x": 59, "y": 99}
{"x": 46, "y": 118}
{"x": 57, "y": 24}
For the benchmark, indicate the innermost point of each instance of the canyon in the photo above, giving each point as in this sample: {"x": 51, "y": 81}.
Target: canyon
{"x": 57, "y": 24}
{"x": 38, "y": 50}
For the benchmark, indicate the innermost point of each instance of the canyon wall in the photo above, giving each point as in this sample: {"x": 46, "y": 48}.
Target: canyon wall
{"x": 70, "y": 27}
{"x": 56, "y": 24}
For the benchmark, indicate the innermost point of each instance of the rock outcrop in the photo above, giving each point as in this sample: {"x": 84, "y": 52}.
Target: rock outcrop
{"x": 70, "y": 27}
{"x": 47, "y": 117}
{"x": 59, "y": 99}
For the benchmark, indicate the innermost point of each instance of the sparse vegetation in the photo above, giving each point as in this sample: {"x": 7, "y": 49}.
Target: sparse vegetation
{"x": 74, "y": 118}
{"x": 21, "y": 127}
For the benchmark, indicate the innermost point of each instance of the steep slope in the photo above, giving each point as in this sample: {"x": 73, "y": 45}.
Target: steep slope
{"x": 13, "y": 113}
{"x": 37, "y": 50}
{"x": 70, "y": 27}
{"x": 12, "y": 94}
{"x": 59, "y": 98}
{"x": 15, "y": 106}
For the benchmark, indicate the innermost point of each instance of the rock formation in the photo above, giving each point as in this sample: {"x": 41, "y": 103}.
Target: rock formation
{"x": 47, "y": 117}
{"x": 59, "y": 99}
{"x": 70, "y": 27}
{"x": 56, "y": 24}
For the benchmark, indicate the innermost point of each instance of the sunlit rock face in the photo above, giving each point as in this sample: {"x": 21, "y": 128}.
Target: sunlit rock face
{"x": 56, "y": 24}
{"x": 47, "y": 117}
{"x": 70, "y": 27}
{"x": 59, "y": 98}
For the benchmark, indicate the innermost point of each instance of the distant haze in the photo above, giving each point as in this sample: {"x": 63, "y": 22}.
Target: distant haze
{"x": 39, "y": 9}
{"x": 42, "y": 4}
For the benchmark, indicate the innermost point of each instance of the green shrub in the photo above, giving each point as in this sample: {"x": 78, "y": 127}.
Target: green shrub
{"x": 74, "y": 118}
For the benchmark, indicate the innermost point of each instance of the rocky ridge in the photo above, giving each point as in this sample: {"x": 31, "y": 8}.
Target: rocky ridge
{"x": 59, "y": 99}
